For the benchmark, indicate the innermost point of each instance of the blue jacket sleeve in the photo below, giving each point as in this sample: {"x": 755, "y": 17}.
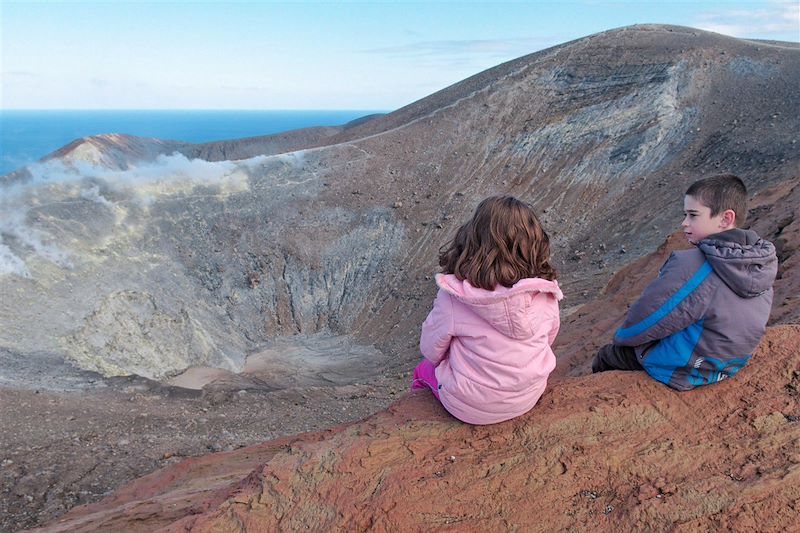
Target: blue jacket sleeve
{"x": 676, "y": 299}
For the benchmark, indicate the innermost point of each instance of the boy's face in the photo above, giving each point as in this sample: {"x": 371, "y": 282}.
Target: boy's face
{"x": 698, "y": 223}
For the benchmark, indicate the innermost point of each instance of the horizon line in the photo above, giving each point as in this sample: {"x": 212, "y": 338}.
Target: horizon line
{"x": 190, "y": 109}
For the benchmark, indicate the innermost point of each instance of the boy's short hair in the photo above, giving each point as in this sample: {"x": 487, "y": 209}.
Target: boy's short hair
{"x": 721, "y": 192}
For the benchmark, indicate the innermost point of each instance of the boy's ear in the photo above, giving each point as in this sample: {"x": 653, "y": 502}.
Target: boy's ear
{"x": 728, "y": 219}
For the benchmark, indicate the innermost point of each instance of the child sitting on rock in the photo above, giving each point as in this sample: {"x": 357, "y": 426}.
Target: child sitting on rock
{"x": 487, "y": 340}
{"x": 701, "y": 319}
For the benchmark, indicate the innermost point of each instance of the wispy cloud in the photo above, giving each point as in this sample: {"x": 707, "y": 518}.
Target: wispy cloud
{"x": 18, "y": 75}
{"x": 778, "y": 20}
{"x": 468, "y": 50}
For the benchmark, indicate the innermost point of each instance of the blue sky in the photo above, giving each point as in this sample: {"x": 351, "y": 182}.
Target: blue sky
{"x": 308, "y": 55}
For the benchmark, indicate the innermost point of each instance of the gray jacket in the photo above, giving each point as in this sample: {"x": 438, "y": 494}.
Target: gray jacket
{"x": 701, "y": 319}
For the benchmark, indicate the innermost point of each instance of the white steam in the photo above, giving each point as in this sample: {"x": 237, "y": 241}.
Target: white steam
{"x": 93, "y": 194}
{"x": 54, "y": 182}
{"x": 14, "y": 230}
{"x": 11, "y": 264}
{"x": 165, "y": 169}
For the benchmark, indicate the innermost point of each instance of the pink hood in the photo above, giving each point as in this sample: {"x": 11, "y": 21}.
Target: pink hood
{"x": 506, "y": 309}
{"x": 492, "y": 348}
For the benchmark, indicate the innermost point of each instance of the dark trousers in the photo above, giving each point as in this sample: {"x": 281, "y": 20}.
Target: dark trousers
{"x": 613, "y": 357}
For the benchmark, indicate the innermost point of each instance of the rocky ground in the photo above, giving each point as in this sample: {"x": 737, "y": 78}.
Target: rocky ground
{"x": 616, "y": 451}
{"x": 62, "y": 449}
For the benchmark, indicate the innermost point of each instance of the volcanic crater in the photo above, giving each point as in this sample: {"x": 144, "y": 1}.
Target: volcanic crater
{"x": 161, "y": 300}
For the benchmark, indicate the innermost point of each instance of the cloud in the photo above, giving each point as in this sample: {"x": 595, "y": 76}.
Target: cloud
{"x": 259, "y": 89}
{"x": 468, "y": 50}
{"x": 18, "y": 76}
{"x": 776, "y": 20}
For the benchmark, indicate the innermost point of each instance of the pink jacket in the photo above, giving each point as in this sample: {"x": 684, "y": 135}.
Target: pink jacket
{"x": 491, "y": 348}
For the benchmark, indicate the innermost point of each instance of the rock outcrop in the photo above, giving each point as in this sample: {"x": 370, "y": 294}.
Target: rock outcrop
{"x": 608, "y": 452}
{"x": 121, "y": 152}
{"x": 597, "y": 453}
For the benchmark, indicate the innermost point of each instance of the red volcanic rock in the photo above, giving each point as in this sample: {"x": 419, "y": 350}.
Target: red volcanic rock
{"x": 591, "y": 326}
{"x": 776, "y": 214}
{"x": 596, "y": 452}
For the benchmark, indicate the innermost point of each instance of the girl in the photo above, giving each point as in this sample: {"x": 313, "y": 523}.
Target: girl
{"x": 487, "y": 340}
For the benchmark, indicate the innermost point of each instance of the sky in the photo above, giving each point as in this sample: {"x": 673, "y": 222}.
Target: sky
{"x": 308, "y": 55}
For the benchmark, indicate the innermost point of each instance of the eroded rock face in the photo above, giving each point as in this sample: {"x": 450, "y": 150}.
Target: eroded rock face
{"x": 596, "y": 452}
{"x": 121, "y": 152}
{"x": 150, "y": 277}
{"x": 129, "y": 334}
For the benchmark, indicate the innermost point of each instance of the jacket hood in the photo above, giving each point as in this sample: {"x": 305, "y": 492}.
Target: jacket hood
{"x": 743, "y": 260}
{"x": 506, "y": 309}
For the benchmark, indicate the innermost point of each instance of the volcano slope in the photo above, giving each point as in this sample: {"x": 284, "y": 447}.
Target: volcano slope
{"x": 153, "y": 267}
{"x": 179, "y": 262}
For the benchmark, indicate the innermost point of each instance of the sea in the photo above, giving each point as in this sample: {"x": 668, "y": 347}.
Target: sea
{"x": 28, "y": 135}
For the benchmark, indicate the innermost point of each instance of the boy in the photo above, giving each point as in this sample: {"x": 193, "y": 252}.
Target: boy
{"x": 701, "y": 319}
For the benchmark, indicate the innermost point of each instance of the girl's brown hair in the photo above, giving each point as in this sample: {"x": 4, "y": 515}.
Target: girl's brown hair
{"x": 503, "y": 243}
